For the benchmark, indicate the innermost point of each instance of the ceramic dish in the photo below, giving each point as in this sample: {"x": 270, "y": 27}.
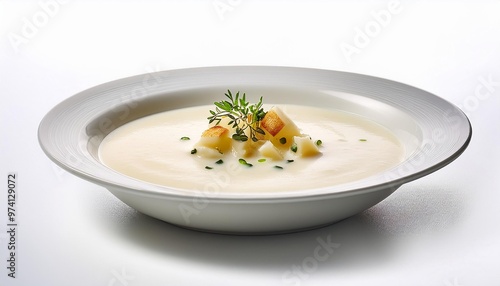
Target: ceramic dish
{"x": 432, "y": 131}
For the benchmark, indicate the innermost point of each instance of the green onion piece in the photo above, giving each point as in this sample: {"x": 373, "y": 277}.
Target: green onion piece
{"x": 283, "y": 140}
{"x": 278, "y": 167}
{"x": 294, "y": 148}
{"x": 208, "y": 168}
{"x": 194, "y": 151}
{"x": 362, "y": 140}
{"x": 262, "y": 160}
{"x": 185, "y": 138}
{"x": 289, "y": 161}
{"x": 243, "y": 162}
{"x": 319, "y": 143}
{"x": 219, "y": 162}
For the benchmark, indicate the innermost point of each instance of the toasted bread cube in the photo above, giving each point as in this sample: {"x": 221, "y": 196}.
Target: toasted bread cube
{"x": 279, "y": 129}
{"x": 269, "y": 151}
{"x": 305, "y": 146}
{"x": 216, "y": 137}
{"x": 272, "y": 122}
{"x": 215, "y": 131}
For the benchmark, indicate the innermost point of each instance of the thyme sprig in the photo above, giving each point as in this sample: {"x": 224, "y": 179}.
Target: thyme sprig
{"x": 242, "y": 115}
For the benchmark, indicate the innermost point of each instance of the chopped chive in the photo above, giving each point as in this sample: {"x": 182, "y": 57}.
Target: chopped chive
{"x": 194, "y": 151}
{"x": 208, "y": 168}
{"x": 290, "y": 161}
{"x": 319, "y": 142}
{"x": 219, "y": 162}
{"x": 243, "y": 162}
{"x": 262, "y": 160}
{"x": 362, "y": 140}
{"x": 278, "y": 167}
{"x": 185, "y": 138}
{"x": 283, "y": 140}
{"x": 294, "y": 148}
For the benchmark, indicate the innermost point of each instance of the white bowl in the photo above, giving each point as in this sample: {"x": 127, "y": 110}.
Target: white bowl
{"x": 433, "y": 132}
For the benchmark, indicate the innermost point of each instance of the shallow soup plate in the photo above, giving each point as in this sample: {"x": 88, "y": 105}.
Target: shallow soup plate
{"x": 432, "y": 131}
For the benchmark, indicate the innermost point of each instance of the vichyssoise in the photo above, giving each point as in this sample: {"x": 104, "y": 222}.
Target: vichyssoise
{"x": 245, "y": 148}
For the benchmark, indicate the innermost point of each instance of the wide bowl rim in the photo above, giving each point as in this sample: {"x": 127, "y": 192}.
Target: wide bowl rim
{"x": 48, "y": 124}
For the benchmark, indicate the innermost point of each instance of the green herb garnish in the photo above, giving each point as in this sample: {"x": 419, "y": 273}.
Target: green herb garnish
{"x": 208, "y": 168}
{"x": 194, "y": 151}
{"x": 363, "y": 140}
{"x": 319, "y": 142}
{"x": 185, "y": 138}
{"x": 278, "y": 167}
{"x": 219, "y": 162}
{"x": 283, "y": 140}
{"x": 242, "y": 115}
{"x": 262, "y": 160}
{"x": 290, "y": 161}
{"x": 294, "y": 148}
{"x": 243, "y": 162}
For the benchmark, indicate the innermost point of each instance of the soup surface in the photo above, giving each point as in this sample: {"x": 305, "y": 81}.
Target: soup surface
{"x": 150, "y": 149}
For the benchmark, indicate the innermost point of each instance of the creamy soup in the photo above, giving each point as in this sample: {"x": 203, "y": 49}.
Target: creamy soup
{"x": 151, "y": 149}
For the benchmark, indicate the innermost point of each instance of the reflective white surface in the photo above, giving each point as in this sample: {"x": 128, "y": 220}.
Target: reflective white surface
{"x": 71, "y": 132}
{"x": 440, "y": 230}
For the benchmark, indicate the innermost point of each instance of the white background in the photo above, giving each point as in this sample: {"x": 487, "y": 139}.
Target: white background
{"x": 442, "y": 229}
